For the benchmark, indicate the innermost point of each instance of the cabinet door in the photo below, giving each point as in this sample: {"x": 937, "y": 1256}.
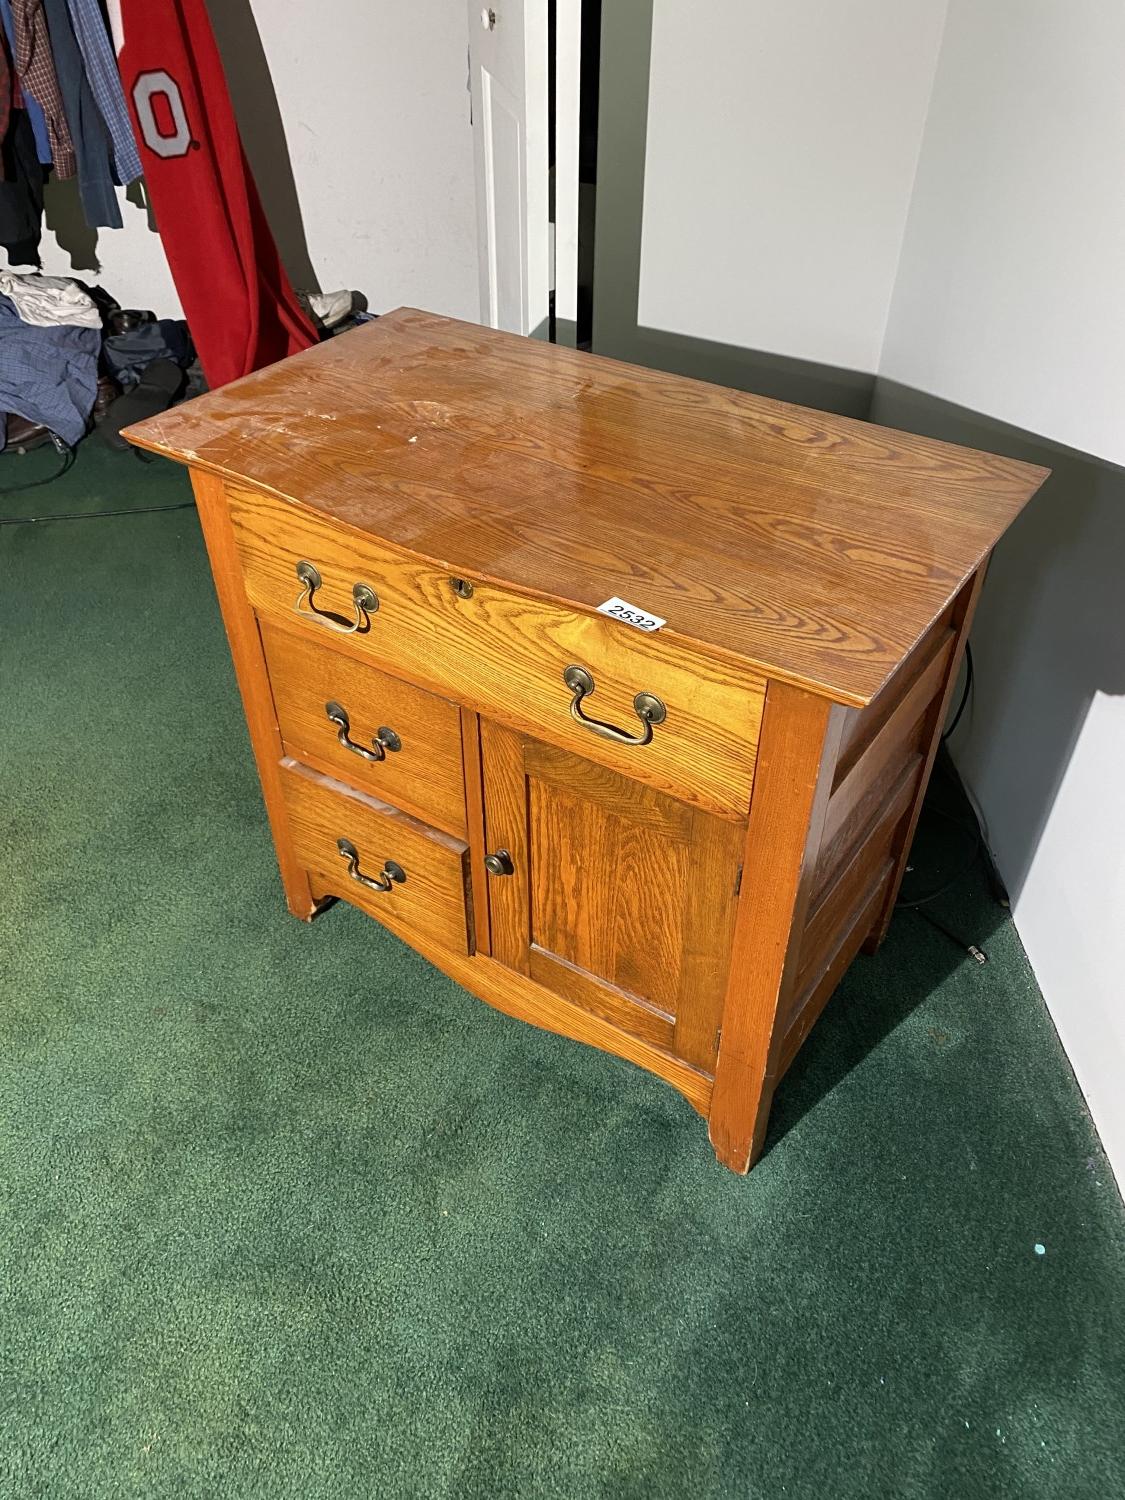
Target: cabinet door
{"x": 617, "y": 897}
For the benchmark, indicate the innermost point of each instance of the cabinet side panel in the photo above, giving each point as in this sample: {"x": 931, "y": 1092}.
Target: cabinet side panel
{"x": 253, "y": 680}
{"x": 882, "y": 771}
{"x": 962, "y": 618}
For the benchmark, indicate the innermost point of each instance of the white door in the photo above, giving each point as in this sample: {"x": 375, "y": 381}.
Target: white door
{"x": 568, "y": 99}
{"x": 508, "y": 68}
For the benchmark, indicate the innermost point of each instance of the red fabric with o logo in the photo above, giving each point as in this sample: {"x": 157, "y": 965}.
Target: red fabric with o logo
{"x": 237, "y": 299}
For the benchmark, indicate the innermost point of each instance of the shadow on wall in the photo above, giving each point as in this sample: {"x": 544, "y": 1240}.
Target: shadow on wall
{"x": 64, "y": 218}
{"x": 1050, "y": 630}
{"x": 263, "y": 136}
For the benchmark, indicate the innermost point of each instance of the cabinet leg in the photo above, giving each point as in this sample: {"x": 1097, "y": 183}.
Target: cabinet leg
{"x": 737, "y": 1148}
{"x": 874, "y": 939}
{"x": 253, "y": 681}
{"x": 303, "y": 903}
{"x": 797, "y": 754}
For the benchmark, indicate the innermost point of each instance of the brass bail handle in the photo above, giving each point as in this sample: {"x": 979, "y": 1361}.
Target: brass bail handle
{"x": 392, "y": 872}
{"x": 385, "y": 740}
{"x": 647, "y": 707}
{"x": 364, "y": 598}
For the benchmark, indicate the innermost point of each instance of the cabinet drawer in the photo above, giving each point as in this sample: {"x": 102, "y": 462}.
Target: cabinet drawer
{"x": 351, "y": 721}
{"x": 427, "y": 896}
{"x": 504, "y": 654}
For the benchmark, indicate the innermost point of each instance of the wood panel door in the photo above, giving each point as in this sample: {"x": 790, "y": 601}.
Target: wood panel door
{"x": 614, "y": 896}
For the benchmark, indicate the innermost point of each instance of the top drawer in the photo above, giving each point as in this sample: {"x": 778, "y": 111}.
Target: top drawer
{"x": 504, "y": 654}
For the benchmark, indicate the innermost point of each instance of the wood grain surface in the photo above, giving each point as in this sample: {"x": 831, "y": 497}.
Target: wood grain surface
{"x": 816, "y": 547}
{"x": 964, "y": 608}
{"x": 253, "y": 683}
{"x": 621, "y": 899}
{"x": 432, "y": 903}
{"x": 504, "y": 654}
{"x": 797, "y": 760}
{"x": 424, "y": 777}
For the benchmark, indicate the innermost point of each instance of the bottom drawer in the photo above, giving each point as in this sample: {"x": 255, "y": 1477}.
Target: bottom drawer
{"x": 414, "y": 879}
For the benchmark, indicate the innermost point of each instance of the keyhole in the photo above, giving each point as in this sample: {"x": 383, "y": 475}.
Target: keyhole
{"x": 488, "y": 18}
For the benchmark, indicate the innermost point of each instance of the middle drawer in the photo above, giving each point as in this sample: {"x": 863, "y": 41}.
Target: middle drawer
{"x": 349, "y": 720}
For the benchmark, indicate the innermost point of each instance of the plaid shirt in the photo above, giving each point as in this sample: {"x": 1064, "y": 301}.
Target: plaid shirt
{"x": 36, "y": 68}
{"x": 105, "y": 83}
{"x": 5, "y": 89}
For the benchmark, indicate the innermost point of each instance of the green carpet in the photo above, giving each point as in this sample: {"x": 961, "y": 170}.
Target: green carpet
{"x": 286, "y": 1214}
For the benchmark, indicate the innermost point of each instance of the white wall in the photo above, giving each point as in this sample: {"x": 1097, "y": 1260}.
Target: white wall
{"x": 934, "y": 193}
{"x": 1044, "y": 752}
{"x": 373, "y": 104}
{"x": 782, "y": 145}
{"x": 1010, "y": 301}
{"x": 1070, "y": 911}
{"x": 568, "y": 84}
{"x": 128, "y": 262}
{"x": 1010, "y": 296}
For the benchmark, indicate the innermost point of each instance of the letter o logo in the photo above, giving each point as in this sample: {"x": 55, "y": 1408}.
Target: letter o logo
{"x": 159, "y": 84}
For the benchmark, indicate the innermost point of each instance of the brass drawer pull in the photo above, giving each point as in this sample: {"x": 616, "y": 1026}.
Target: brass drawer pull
{"x": 385, "y": 740}
{"x": 365, "y": 599}
{"x": 647, "y": 707}
{"x": 391, "y": 871}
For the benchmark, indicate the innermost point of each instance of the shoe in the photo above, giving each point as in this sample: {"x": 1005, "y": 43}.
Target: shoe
{"x": 329, "y": 309}
{"x": 157, "y": 388}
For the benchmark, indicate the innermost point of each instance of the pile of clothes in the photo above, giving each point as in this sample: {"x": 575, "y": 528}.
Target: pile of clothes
{"x": 66, "y": 348}
{"x": 62, "y": 107}
{"x": 103, "y": 90}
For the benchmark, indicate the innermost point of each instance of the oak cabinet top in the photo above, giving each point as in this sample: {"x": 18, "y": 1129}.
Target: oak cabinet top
{"x": 816, "y": 547}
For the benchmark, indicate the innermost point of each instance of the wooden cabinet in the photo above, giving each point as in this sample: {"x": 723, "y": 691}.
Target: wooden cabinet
{"x": 667, "y": 844}
{"x": 618, "y": 898}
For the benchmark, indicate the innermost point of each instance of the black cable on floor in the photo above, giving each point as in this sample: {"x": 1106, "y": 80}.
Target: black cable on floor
{"x": 978, "y": 954}
{"x": 68, "y": 457}
{"x": 95, "y": 515}
{"x": 975, "y": 836}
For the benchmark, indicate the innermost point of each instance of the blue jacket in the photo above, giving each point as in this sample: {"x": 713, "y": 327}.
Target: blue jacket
{"x": 92, "y": 144}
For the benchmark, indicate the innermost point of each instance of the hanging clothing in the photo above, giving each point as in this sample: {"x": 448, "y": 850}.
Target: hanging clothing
{"x": 48, "y": 375}
{"x": 105, "y": 81}
{"x": 87, "y": 128}
{"x": 239, "y": 304}
{"x": 21, "y": 192}
{"x": 5, "y": 90}
{"x": 36, "y": 68}
{"x": 34, "y": 113}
